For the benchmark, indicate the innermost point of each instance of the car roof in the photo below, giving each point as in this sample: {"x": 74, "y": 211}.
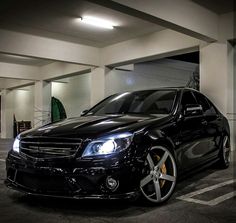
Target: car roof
{"x": 165, "y": 88}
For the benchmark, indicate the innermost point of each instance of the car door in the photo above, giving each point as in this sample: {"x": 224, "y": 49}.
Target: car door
{"x": 191, "y": 139}
{"x": 211, "y": 128}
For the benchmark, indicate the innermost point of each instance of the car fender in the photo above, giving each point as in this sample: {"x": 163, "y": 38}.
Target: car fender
{"x": 158, "y": 137}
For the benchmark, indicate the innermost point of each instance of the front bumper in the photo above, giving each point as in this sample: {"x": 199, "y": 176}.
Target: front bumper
{"x": 72, "y": 178}
{"x": 129, "y": 196}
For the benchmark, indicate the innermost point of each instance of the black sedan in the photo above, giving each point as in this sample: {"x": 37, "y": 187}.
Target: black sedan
{"x": 130, "y": 144}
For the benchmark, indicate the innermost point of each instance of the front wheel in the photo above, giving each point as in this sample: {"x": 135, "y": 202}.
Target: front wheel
{"x": 160, "y": 174}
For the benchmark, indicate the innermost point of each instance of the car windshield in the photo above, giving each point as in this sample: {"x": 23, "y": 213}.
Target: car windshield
{"x": 139, "y": 102}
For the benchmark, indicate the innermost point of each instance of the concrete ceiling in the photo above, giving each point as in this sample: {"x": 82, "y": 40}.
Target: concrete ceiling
{"x": 7, "y": 58}
{"x": 13, "y": 83}
{"x": 217, "y": 6}
{"x": 57, "y": 19}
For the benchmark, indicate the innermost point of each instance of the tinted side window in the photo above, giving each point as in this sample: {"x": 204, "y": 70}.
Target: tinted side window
{"x": 207, "y": 107}
{"x": 212, "y": 110}
{"x": 202, "y": 101}
{"x": 188, "y": 98}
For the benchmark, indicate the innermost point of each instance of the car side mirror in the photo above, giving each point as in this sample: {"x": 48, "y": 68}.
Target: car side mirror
{"x": 84, "y": 112}
{"x": 193, "y": 110}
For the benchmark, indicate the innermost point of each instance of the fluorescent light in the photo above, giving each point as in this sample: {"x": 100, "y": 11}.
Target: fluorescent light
{"x": 97, "y": 22}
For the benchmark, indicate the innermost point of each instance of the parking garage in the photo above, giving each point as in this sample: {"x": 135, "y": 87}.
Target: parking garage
{"x": 54, "y": 65}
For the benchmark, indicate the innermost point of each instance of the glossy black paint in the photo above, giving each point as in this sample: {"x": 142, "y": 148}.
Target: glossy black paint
{"x": 195, "y": 141}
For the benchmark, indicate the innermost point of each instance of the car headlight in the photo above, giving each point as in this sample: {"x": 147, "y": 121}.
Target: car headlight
{"x": 16, "y": 144}
{"x": 108, "y": 145}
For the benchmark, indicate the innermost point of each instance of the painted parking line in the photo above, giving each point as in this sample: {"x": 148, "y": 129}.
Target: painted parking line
{"x": 189, "y": 197}
{"x": 2, "y": 160}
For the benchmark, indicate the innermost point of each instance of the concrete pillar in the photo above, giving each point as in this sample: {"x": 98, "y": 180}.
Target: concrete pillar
{"x": 231, "y": 107}
{"x": 214, "y": 74}
{"x": 97, "y": 85}
{"x": 6, "y": 114}
{"x": 216, "y": 79}
{"x": 233, "y": 136}
{"x": 42, "y": 103}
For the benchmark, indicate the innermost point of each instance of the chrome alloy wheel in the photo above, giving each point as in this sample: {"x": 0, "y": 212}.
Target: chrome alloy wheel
{"x": 226, "y": 150}
{"x": 161, "y": 173}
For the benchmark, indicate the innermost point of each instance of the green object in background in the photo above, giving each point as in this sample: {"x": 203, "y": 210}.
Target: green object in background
{"x": 58, "y": 111}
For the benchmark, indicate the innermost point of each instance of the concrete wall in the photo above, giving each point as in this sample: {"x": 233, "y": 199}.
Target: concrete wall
{"x": 19, "y": 102}
{"x": 23, "y": 103}
{"x": 150, "y": 75}
{"x": 74, "y": 93}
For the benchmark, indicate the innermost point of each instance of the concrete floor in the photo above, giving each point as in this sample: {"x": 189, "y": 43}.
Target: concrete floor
{"x": 15, "y": 207}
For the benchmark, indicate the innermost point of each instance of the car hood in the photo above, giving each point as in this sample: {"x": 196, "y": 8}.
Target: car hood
{"x": 94, "y": 126}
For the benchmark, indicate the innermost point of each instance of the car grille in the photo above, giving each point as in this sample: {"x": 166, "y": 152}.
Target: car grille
{"x": 43, "y": 147}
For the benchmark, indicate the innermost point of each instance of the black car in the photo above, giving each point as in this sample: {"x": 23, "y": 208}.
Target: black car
{"x": 130, "y": 144}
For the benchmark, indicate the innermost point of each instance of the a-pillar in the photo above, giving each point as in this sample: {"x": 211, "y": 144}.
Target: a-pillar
{"x": 97, "y": 85}
{"x": 6, "y": 114}
{"x": 216, "y": 79}
{"x": 42, "y": 103}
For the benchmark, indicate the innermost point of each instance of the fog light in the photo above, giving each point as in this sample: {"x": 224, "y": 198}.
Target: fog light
{"x": 111, "y": 183}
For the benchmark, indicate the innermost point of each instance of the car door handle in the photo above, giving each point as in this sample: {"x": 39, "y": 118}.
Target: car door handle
{"x": 204, "y": 122}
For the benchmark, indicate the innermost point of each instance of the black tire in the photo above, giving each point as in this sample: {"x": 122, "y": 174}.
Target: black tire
{"x": 159, "y": 181}
{"x": 224, "y": 154}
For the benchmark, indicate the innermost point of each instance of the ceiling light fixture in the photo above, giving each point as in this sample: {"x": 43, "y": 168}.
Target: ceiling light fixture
{"x": 97, "y": 22}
